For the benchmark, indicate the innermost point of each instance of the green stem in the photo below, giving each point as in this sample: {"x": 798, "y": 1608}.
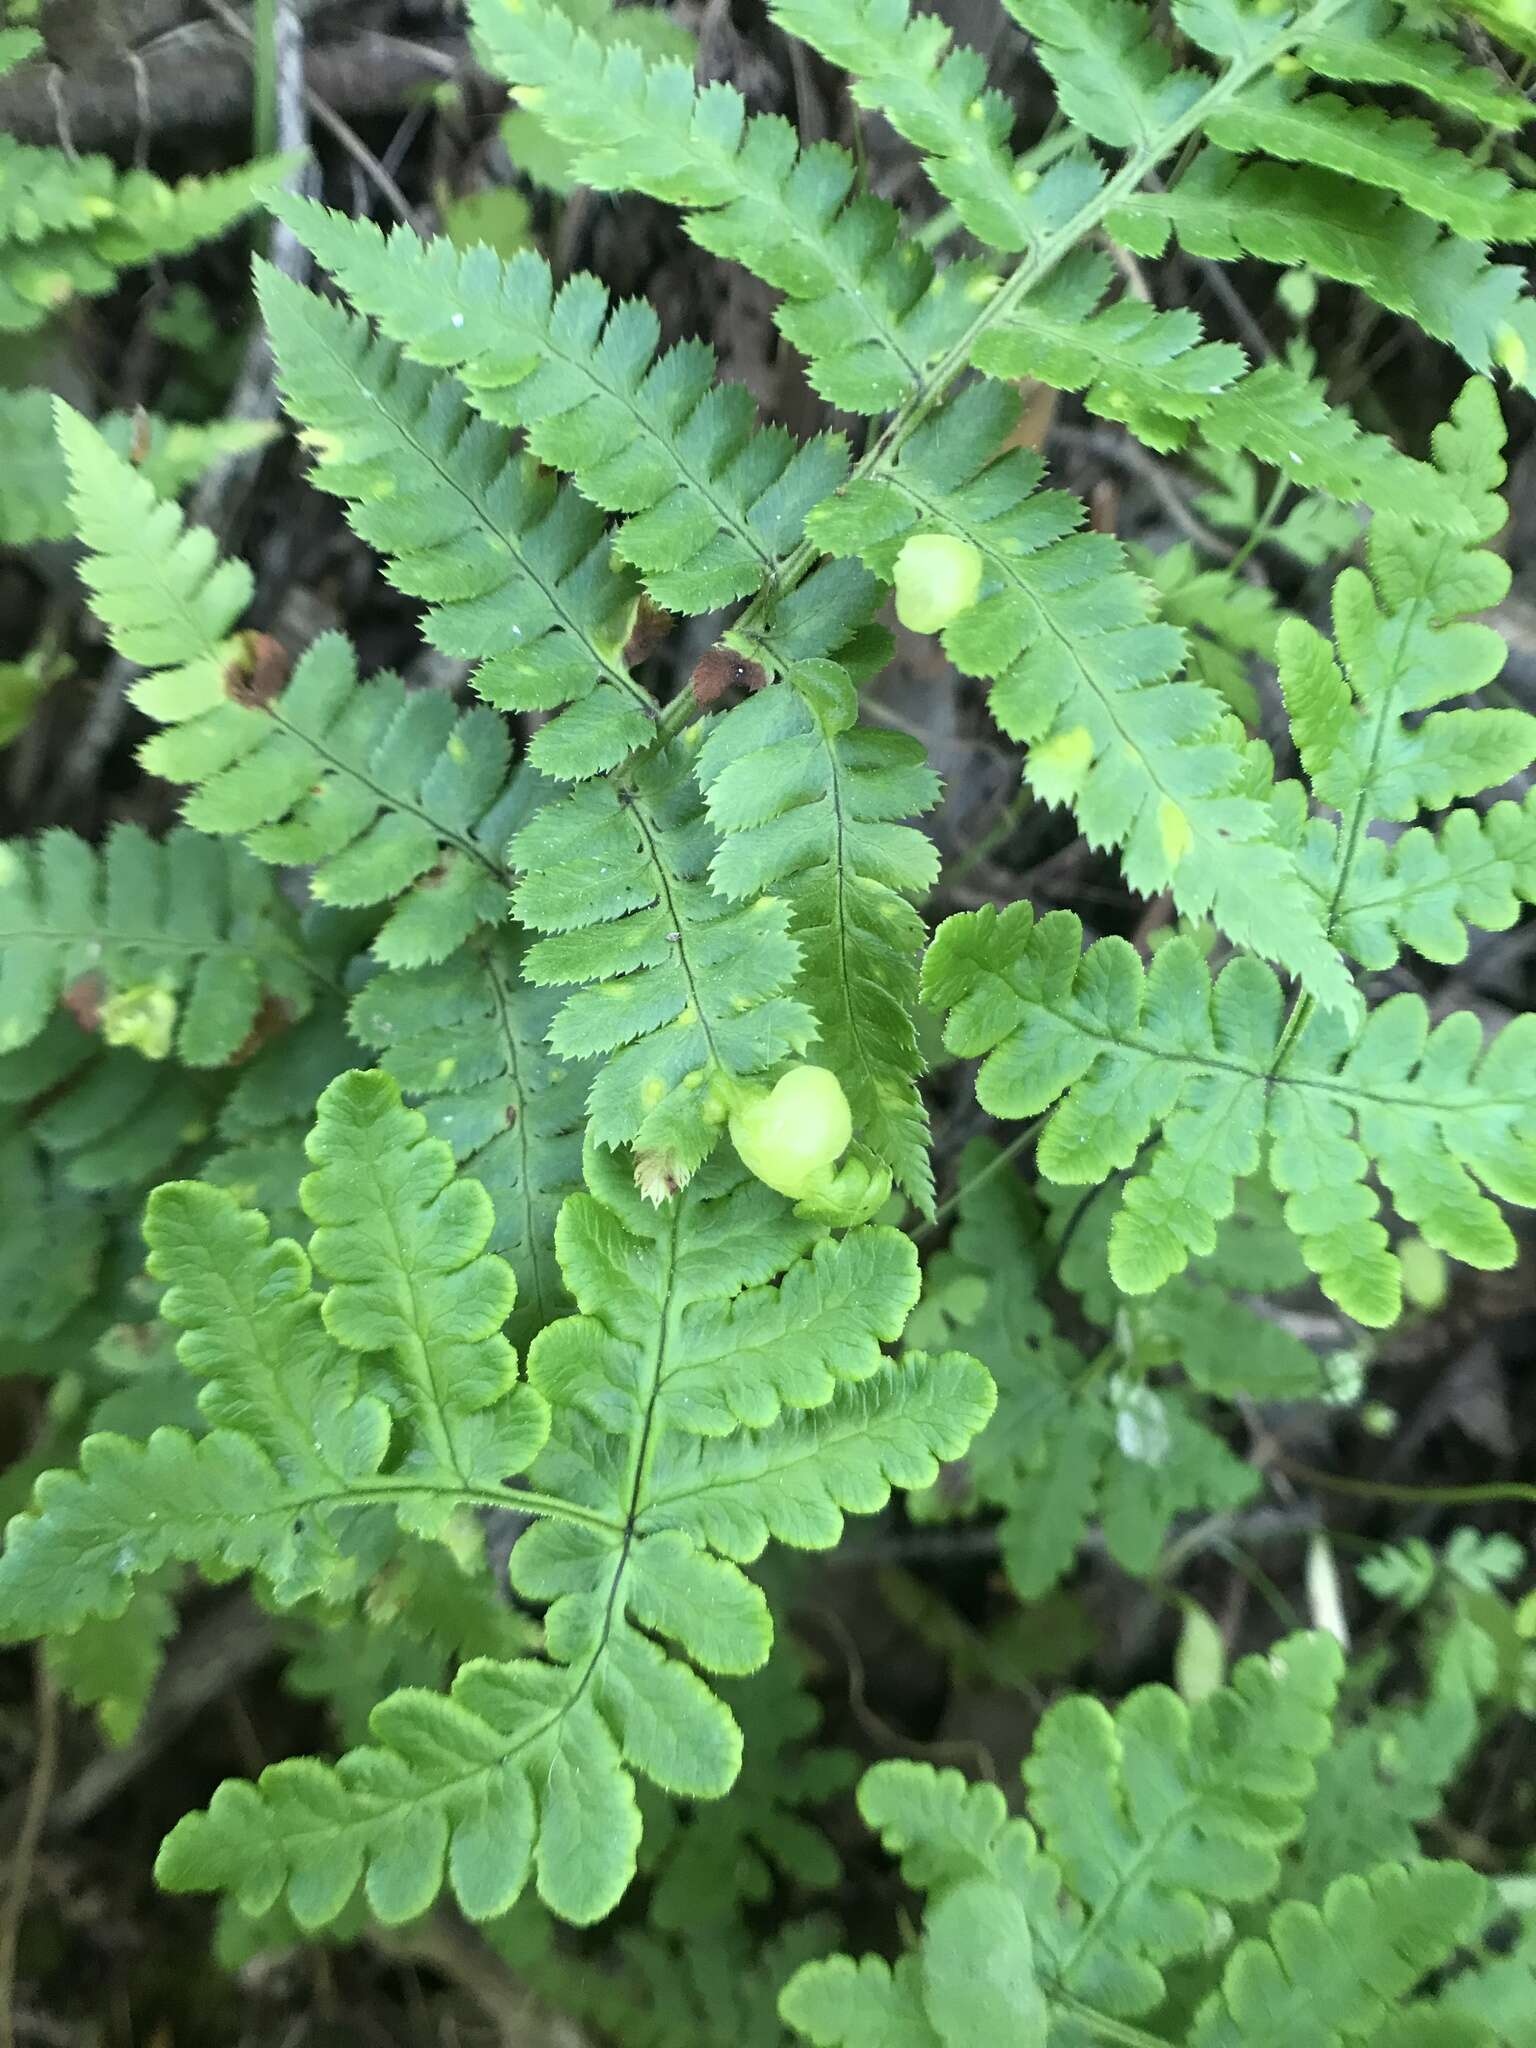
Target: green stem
{"x": 1009, "y": 1153}
{"x": 1102, "y": 2026}
{"x": 1262, "y": 525}
{"x": 1414, "y": 1496}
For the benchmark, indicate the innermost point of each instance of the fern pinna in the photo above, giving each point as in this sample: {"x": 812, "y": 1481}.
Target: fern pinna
{"x": 615, "y": 1005}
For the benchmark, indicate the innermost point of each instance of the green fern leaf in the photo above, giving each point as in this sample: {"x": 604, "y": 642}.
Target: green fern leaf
{"x": 1152, "y": 1824}
{"x": 466, "y": 1042}
{"x": 178, "y": 943}
{"x": 385, "y": 794}
{"x": 110, "y": 1118}
{"x": 1362, "y": 236}
{"x": 806, "y": 801}
{"x": 861, "y": 303}
{"x": 395, "y": 1390}
{"x": 679, "y": 988}
{"x": 1395, "y": 152}
{"x": 933, "y": 92}
{"x": 1406, "y": 649}
{"x": 1202, "y": 1071}
{"x": 516, "y": 575}
{"x": 1371, "y": 43}
{"x": 1084, "y": 676}
{"x": 710, "y": 501}
{"x": 34, "y": 490}
{"x": 1150, "y": 369}
{"x": 1335, "y": 1975}
{"x": 1113, "y": 77}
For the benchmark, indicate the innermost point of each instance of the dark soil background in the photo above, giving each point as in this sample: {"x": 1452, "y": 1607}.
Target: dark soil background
{"x": 401, "y": 121}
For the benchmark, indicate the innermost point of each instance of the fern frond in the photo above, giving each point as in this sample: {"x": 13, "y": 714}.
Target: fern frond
{"x": 1085, "y": 678}
{"x": 466, "y": 1042}
{"x": 1337, "y": 1974}
{"x": 1372, "y": 739}
{"x": 34, "y": 488}
{"x": 176, "y": 943}
{"x": 395, "y": 1390}
{"x": 808, "y": 802}
{"x": 934, "y": 92}
{"x": 723, "y": 1858}
{"x": 1396, "y": 152}
{"x": 70, "y": 224}
{"x": 1152, "y": 1824}
{"x": 710, "y": 500}
{"x": 1114, "y": 79}
{"x": 298, "y": 1435}
{"x": 862, "y": 303}
{"x": 1363, "y": 236}
{"x": 386, "y": 794}
{"x": 109, "y": 1118}
{"x": 1372, "y": 43}
{"x": 1206, "y": 1072}
{"x": 1425, "y": 889}
{"x": 517, "y": 575}
{"x": 675, "y": 985}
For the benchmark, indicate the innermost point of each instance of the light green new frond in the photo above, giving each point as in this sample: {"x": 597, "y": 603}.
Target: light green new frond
{"x": 1149, "y": 1826}
{"x": 466, "y": 1042}
{"x": 794, "y": 1482}
{"x": 678, "y": 988}
{"x": 1224, "y": 208}
{"x": 934, "y": 92}
{"x": 1338, "y": 1974}
{"x": 69, "y": 224}
{"x": 1082, "y": 674}
{"x": 306, "y": 1394}
{"x": 711, "y": 500}
{"x": 179, "y": 944}
{"x": 516, "y": 575}
{"x": 862, "y": 303}
{"x": 384, "y": 794}
{"x": 1424, "y": 889}
{"x": 156, "y": 584}
{"x": 1375, "y": 744}
{"x": 748, "y": 1308}
{"x": 401, "y": 1240}
{"x": 526, "y": 1767}
{"x": 808, "y": 802}
{"x": 34, "y": 485}
{"x": 1201, "y": 1070}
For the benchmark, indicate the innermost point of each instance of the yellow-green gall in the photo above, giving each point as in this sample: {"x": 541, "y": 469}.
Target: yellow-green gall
{"x": 792, "y": 1136}
{"x": 937, "y": 578}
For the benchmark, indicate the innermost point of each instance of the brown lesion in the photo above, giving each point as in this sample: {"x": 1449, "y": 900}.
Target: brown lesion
{"x": 258, "y": 670}
{"x": 720, "y": 670}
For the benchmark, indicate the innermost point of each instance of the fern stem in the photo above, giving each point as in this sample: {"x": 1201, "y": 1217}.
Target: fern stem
{"x": 1009, "y": 1153}
{"x": 1033, "y": 268}
{"x": 1101, "y": 2026}
{"x": 1415, "y": 1496}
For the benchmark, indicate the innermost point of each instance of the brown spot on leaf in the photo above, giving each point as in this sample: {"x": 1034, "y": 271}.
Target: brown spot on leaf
{"x": 271, "y": 1020}
{"x": 651, "y": 627}
{"x": 721, "y": 670}
{"x": 258, "y": 671}
{"x": 138, "y": 447}
{"x": 83, "y": 1000}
